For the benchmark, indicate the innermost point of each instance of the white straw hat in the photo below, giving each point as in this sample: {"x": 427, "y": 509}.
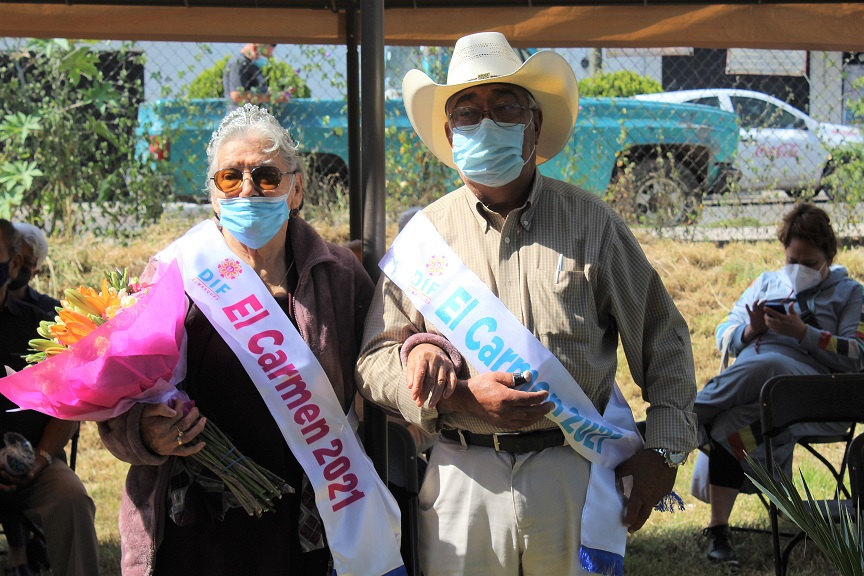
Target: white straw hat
{"x": 487, "y": 58}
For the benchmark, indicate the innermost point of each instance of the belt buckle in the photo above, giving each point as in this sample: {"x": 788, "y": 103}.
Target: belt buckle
{"x": 496, "y": 435}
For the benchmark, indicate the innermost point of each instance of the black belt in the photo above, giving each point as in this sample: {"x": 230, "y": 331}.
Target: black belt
{"x": 515, "y": 442}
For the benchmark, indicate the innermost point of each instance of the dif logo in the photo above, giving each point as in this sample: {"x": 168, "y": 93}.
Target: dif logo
{"x": 228, "y": 269}
{"x": 423, "y": 281}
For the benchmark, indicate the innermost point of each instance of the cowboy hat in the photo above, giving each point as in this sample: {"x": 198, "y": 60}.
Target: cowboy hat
{"x": 487, "y": 58}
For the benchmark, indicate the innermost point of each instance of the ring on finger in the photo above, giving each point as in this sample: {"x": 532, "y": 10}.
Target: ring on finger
{"x": 519, "y": 378}
{"x": 179, "y": 432}
{"x": 180, "y": 439}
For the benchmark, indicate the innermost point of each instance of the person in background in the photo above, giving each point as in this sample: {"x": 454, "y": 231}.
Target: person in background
{"x": 34, "y": 252}
{"x": 243, "y": 79}
{"x": 49, "y": 493}
{"x": 504, "y": 493}
{"x": 805, "y": 318}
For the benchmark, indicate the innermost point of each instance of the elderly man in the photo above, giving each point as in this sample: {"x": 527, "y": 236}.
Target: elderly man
{"x": 49, "y": 493}
{"x": 34, "y": 252}
{"x": 518, "y": 483}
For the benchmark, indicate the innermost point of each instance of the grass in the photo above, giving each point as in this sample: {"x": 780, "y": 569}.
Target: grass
{"x": 703, "y": 279}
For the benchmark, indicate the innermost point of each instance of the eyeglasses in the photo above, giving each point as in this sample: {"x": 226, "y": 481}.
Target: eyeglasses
{"x": 505, "y": 114}
{"x": 230, "y": 180}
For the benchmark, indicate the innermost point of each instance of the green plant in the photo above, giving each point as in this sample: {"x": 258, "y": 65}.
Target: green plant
{"x": 856, "y": 105}
{"x": 280, "y": 77}
{"x": 415, "y": 177}
{"x": 841, "y": 542}
{"x": 845, "y": 179}
{"x": 621, "y": 83}
{"x": 67, "y": 137}
{"x": 17, "y": 172}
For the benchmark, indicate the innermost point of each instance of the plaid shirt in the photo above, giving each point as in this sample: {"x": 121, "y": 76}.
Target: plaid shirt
{"x": 606, "y": 289}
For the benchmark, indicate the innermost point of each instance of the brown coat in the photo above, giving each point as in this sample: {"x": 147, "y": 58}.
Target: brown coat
{"x": 330, "y": 305}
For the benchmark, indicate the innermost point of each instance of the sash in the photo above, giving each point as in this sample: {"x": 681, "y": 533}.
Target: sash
{"x": 450, "y": 296}
{"x": 361, "y": 518}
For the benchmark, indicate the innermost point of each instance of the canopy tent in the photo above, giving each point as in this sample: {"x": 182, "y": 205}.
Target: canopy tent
{"x": 831, "y": 26}
{"x": 527, "y": 23}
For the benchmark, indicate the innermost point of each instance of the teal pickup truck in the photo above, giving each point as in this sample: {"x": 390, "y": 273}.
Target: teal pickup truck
{"x": 657, "y": 159}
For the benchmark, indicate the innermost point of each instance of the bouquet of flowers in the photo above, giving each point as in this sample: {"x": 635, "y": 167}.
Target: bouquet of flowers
{"x": 110, "y": 348}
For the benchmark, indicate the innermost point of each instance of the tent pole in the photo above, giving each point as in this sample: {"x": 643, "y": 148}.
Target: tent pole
{"x": 374, "y": 230}
{"x": 355, "y": 157}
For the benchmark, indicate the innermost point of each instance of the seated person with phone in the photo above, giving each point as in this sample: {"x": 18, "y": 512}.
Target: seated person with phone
{"x": 802, "y": 319}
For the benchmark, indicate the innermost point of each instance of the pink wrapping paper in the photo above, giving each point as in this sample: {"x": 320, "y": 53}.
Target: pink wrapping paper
{"x": 137, "y": 356}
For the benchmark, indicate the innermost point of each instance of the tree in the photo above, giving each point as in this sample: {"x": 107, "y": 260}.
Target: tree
{"x": 622, "y": 83}
{"x": 280, "y": 77}
{"x": 67, "y": 137}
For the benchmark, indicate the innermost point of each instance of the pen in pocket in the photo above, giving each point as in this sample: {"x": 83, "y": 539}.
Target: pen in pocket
{"x": 560, "y": 266}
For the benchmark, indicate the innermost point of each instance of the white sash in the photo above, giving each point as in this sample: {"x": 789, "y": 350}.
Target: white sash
{"x": 464, "y": 309}
{"x": 360, "y": 517}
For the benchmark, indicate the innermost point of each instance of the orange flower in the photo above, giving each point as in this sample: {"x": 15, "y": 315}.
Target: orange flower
{"x": 104, "y": 301}
{"x": 73, "y": 327}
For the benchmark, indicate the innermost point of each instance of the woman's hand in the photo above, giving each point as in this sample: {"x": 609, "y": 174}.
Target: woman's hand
{"x": 429, "y": 373}
{"x": 166, "y": 431}
{"x": 757, "y": 325}
{"x": 789, "y": 324}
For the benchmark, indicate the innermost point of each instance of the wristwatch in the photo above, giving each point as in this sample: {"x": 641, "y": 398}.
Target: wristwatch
{"x": 673, "y": 459}
{"x": 48, "y": 458}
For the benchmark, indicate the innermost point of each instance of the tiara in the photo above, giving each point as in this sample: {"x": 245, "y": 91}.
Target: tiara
{"x": 248, "y": 115}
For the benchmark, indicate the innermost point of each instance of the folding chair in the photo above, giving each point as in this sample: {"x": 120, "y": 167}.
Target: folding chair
{"x": 809, "y": 443}
{"x": 393, "y": 450}
{"x": 404, "y": 484}
{"x": 788, "y": 400}
{"x": 856, "y": 470}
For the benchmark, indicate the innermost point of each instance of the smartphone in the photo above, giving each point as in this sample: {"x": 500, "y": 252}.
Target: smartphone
{"x": 777, "y": 307}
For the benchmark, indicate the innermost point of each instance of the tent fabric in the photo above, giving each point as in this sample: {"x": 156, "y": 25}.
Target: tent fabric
{"x": 802, "y": 26}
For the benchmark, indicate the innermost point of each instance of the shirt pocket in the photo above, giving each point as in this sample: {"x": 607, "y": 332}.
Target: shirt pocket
{"x": 560, "y": 301}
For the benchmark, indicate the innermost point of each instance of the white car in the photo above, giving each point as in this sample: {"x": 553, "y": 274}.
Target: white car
{"x": 780, "y": 147}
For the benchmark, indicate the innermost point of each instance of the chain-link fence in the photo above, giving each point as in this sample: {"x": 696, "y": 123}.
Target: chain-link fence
{"x": 717, "y": 138}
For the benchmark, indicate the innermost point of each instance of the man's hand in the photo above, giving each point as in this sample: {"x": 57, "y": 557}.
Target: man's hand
{"x": 10, "y": 483}
{"x": 652, "y": 479}
{"x": 430, "y": 374}
{"x": 491, "y": 397}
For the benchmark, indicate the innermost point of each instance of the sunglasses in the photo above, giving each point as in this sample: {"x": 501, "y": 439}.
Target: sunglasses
{"x": 505, "y": 114}
{"x": 230, "y": 180}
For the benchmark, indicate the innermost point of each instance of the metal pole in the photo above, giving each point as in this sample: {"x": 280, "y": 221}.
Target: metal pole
{"x": 372, "y": 83}
{"x": 355, "y": 154}
{"x": 374, "y": 232}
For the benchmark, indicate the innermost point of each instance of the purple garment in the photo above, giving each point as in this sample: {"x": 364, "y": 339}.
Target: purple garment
{"x": 329, "y": 308}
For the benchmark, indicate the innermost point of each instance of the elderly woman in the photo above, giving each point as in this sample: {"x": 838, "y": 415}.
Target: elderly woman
{"x": 176, "y": 518}
{"x": 802, "y": 319}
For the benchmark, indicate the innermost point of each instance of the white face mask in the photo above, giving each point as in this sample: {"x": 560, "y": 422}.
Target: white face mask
{"x": 803, "y": 278}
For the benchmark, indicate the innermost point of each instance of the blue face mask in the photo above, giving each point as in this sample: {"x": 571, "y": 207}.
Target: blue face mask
{"x": 490, "y": 155}
{"x": 261, "y": 61}
{"x": 253, "y": 221}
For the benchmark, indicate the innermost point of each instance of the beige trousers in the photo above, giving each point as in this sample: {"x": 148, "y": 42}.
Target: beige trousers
{"x": 487, "y": 513}
{"x": 58, "y": 503}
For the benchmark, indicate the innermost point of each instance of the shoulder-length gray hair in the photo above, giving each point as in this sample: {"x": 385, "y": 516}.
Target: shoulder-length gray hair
{"x": 253, "y": 120}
